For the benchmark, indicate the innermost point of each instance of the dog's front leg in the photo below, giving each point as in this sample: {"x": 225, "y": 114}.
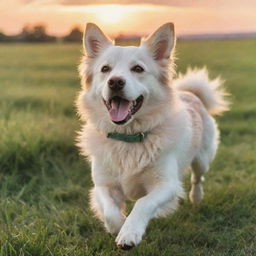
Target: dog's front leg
{"x": 162, "y": 194}
{"x": 107, "y": 208}
{"x": 107, "y": 200}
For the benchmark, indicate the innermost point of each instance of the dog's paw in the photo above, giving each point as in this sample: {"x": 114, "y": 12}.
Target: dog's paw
{"x": 127, "y": 239}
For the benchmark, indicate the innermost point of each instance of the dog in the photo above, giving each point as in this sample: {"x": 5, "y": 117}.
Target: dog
{"x": 143, "y": 129}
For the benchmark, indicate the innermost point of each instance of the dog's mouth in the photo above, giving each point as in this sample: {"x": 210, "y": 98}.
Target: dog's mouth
{"x": 121, "y": 110}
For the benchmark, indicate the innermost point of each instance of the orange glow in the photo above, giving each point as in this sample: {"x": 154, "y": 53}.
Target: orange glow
{"x": 139, "y": 19}
{"x": 110, "y": 14}
{"x": 115, "y": 18}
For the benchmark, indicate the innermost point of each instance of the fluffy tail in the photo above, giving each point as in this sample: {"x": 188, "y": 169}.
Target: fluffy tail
{"x": 208, "y": 91}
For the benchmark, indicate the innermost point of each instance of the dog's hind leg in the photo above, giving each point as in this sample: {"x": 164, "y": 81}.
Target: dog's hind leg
{"x": 199, "y": 167}
{"x": 203, "y": 159}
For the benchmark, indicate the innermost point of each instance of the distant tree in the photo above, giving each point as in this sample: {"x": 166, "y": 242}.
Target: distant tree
{"x": 36, "y": 33}
{"x": 4, "y": 38}
{"x": 25, "y": 31}
{"x": 75, "y": 35}
{"x": 39, "y": 33}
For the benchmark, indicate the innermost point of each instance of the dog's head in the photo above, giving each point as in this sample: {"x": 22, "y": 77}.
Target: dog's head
{"x": 127, "y": 82}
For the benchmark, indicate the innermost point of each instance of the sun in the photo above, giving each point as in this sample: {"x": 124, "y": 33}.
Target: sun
{"x": 110, "y": 14}
{"x": 110, "y": 17}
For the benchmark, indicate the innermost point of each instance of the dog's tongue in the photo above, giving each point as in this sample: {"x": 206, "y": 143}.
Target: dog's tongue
{"x": 119, "y": 109}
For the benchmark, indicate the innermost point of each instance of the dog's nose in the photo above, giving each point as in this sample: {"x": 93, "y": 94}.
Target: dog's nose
{"x": 116, "y": 83}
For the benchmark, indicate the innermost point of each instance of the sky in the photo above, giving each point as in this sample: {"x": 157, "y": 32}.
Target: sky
{"x": 139, "y": 17}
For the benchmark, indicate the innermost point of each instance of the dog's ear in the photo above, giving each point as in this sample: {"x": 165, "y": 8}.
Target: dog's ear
{"x": 161, "y": 42}
{"x": 94, "y": 40}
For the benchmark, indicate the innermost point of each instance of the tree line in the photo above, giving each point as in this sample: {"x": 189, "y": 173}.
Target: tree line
{"x": 38, "y": 33}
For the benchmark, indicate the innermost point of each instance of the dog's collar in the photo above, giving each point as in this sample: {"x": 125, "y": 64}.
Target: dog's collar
{"x": 137, "y": 137}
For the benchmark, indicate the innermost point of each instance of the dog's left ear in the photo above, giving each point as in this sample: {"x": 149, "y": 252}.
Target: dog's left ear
{"x": 94, "y": 40}
{"x": 161, "y": 42}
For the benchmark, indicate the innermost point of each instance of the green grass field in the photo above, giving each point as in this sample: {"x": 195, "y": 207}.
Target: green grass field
{"x": 44, "y": 182}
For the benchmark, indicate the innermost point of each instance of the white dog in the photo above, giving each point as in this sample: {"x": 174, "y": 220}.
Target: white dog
{"x": 143, "y": 129}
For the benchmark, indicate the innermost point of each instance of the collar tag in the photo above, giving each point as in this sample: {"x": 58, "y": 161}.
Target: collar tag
{"x": 137, "y": 137}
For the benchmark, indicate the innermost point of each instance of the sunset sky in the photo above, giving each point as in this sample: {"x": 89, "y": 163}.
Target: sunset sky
{"x": 130, "y": 17}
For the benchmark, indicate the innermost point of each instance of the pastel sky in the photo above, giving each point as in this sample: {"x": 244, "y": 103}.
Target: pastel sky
{"x": 130, "y": 17}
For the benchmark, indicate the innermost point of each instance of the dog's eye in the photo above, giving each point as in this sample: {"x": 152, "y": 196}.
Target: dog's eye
{"x": 137, "y": 69}
{"x": 105, "y": 69}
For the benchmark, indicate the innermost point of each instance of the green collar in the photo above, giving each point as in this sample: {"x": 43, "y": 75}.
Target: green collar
{"x": 137, "y": 137}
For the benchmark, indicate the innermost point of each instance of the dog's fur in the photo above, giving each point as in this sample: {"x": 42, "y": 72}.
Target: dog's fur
{"x": 176, "y": 113}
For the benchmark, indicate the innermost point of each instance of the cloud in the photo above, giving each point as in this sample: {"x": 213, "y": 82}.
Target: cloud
{"x": 104, "y": 2}
{"x": 229, "y": 4}
{"x": 126, "y": 2}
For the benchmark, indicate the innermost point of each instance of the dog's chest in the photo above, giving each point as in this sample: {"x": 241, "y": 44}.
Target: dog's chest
{"x": 130, "y": 166}
{"x": 118, "y": 156}
{"x": 124, "y": 158}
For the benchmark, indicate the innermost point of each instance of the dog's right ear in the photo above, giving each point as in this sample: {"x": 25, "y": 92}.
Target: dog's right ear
{"x": 94, "y": 40}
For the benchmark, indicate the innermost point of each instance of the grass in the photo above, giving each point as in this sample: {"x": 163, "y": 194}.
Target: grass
{"x": 44, "y": 183}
